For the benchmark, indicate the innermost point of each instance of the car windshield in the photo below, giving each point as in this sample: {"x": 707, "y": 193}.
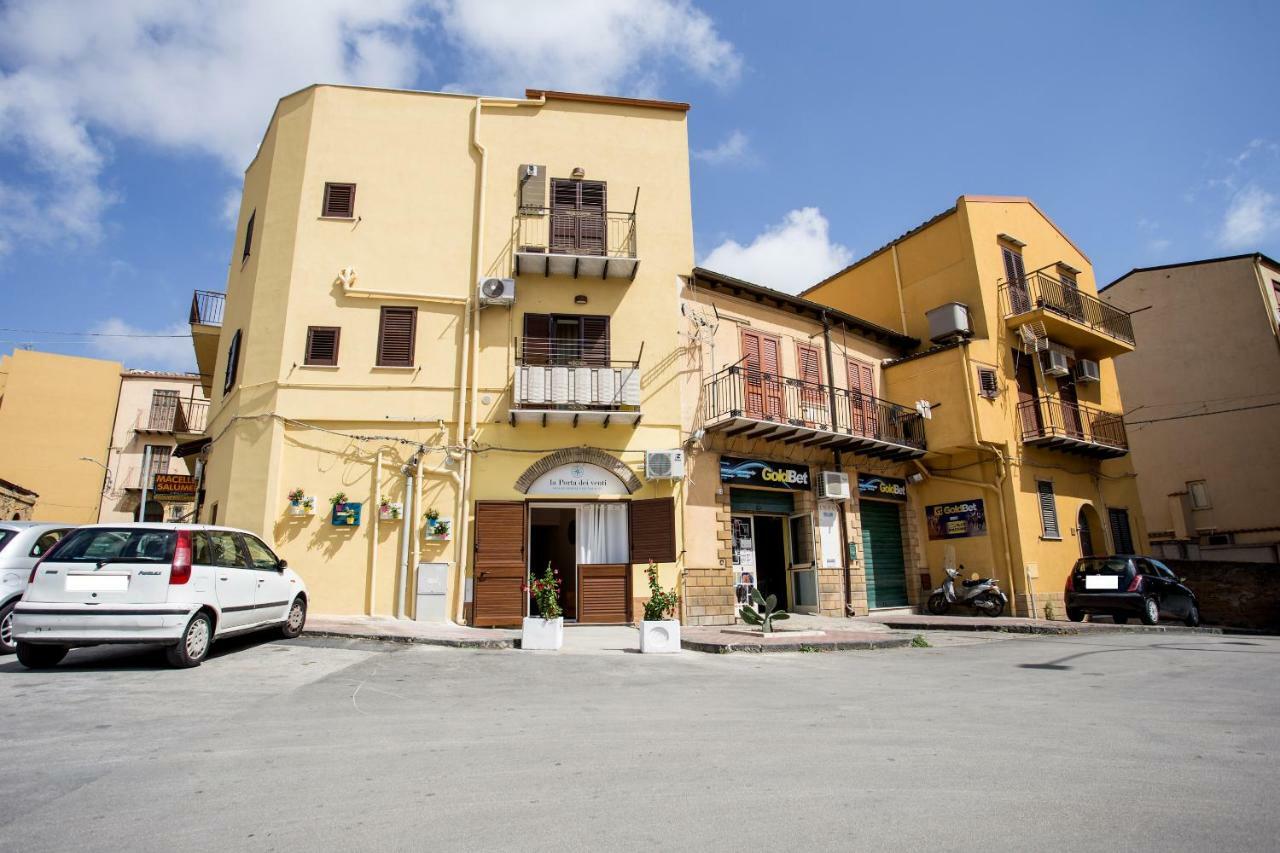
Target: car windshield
{"x": 1102, "y": 567}
{"x": 6, "y": 536}
{"x": 115, "y": 545}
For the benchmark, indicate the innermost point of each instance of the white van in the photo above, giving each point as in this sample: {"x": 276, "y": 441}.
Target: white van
{"x": 179, "y": 586}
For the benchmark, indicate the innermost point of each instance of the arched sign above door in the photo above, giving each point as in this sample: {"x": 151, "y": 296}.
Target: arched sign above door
{"x": 578, "y": 479}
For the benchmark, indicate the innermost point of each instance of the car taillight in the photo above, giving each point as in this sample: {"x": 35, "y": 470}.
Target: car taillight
{"x": 1136, "y": 583}
{"x": 180, "y": 572}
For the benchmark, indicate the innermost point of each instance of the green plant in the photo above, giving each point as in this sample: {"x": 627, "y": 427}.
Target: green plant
{"x": 771, "y": 612}
{"x": 440, "y": 527}
{"x": 431, "y": 515}
{"x": 546, "y": 593}
{"x": 919, "y": 642}
{"x": 810, "y": 649}
{"x": 309, "y": 503}
{"x": 661, "y": 605}
{"x": 1050, "y": 612}
{"x": 339, "y": 500}
{"x": 296, "y": 495}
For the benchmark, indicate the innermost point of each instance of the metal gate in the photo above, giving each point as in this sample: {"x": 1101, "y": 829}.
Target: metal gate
{"x": 882, "y": 555}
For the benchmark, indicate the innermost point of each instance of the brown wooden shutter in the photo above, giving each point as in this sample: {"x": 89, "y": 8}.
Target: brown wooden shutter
{"x": 233, "y": 363}
{"x": 813, "y": 397}
{"x": 498, "y": 598}
{"x": 595, "y": 341}
{"x": 537, "y": 338}
{"x": 604, "y": 593}
{"x": 653, "y": 530}
{"x": 322, "y": 345}
{"x": 339, "y": 201}
{"x": 248, "y": 235}
{"x": 396, "y": 334}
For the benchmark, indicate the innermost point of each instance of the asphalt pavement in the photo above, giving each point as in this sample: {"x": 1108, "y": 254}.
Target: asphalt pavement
{"x": 1125, "y": 741}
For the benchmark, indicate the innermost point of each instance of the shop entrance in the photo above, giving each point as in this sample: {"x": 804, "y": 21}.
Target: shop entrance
{"x": 882, "y": 554}
{"x": 771, "y": 557}
{"x": 552, "y": 531}
{"x": 589, "y": 544}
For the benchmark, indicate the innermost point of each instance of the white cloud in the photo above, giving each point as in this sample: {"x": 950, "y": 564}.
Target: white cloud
{"x": 604, "y": 46}
{"x": 170, "y": 349}
{"x": 790, "y": 256}
{"x": 1251, "y": 216}
{"x": 735, "y": 148}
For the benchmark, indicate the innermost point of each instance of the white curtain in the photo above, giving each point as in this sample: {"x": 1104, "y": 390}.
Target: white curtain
{"x": 602, "y": 533}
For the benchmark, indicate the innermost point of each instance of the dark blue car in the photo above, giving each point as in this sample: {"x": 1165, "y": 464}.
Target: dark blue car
{"x": 1124, "y": 586}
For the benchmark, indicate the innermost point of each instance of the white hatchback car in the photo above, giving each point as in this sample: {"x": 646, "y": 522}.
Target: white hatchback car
{"x": 22, "y": 543}
{"x": 180, "y": 586}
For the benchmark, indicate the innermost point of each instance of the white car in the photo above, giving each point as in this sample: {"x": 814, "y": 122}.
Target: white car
{"x": 21, "y": 544}
{"x": 182, "y": 586}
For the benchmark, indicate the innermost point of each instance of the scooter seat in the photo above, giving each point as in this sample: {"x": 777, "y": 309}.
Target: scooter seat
{"x": 978, "y": 582}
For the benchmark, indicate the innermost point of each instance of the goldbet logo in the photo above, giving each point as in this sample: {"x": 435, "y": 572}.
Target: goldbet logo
{"x": 795, "y": 478}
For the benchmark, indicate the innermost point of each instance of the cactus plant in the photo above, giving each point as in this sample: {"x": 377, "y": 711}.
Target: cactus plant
{"x": 765, "y": 620}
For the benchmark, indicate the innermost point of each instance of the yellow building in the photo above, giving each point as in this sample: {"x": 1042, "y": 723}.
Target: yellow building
{"x": 56, "y": 415}
{"x": 1028, "y": 464}
{"x": 461, "y": 307}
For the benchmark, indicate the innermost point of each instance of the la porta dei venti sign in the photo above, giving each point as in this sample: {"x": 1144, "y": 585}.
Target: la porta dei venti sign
{"x": 581, "y": 479}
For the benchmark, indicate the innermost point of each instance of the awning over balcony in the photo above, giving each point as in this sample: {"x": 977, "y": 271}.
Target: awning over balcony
{"x": 1071, "y": 427}
{"x": 750, "y": 404}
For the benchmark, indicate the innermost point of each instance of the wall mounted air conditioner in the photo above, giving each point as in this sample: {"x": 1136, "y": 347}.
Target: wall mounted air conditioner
{"x": 1087, "y": 371}
{"x": 949, "y": 322}
{"x": 497, "y": 291}
{"x": 833, "y": 486}
{"x": 1054, "y": 363}
{"x": 663, "y": 464}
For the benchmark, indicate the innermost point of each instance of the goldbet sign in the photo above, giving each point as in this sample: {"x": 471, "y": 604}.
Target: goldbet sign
{"x": 758, "y": 472}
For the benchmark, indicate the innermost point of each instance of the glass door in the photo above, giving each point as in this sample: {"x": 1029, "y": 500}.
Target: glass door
{"x": 802, "y": 573}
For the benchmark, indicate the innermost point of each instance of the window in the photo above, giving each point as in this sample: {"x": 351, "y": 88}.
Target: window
{"x": 988, "y": 385}
{"x": 260, "y": 555}
{"x": 213, "y": 513}
{"x": 339, "y": 201}
{"x": 1199, "y": 492}
{"x": 1121, "y": 536}
{"x": 396, "y": 333}
{"x": 578, "y": 216}
{"x": 1275, "y": 291}
{"x": 801, "y": 540}
{"x": 569, "y": 339}
{"x": 248, "y": 235}
{"x": 117, "y": 545}
{"x": 1221, "y": 539}
{"x": 217, "y": 548}
{"x": 233, "y": 363}
{"x": 1048, "y": 510}
{"x": 1016, "y": 276}
{"x": 322, "y": 345}
{"x": 159, "y": 464}
{"x": 46, "y": 541}
{"x": 164, "y": 409}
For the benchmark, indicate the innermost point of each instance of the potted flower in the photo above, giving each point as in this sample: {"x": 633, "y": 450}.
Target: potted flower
{"x": 660, "y": 630}
{"x": 545, "y": 631}
{"x": 388, "y": 511}
{"x": 308, "y": 505}
{"x": 431, "y": 515}
{"x": 339, "y": 502}
{"x": 296, "y": 497}
{"x": 435, "y": 527}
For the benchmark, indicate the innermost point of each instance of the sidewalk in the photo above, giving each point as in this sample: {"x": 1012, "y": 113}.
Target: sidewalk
{"x": 1019, "y": 625}
{"x": 408, "y": 631}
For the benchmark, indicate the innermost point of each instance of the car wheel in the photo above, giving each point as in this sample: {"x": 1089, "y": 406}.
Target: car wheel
{"x": 1075, "y": 615}
{"x": 1193, "y": 616}
{"x": 938, "y": 604}
{"x": 193, "y": 648}
{"x": 1150, "y": 611}
{"x": 38, "y": 656}
{"x": 1120, "y": 620}
{"x": 293, "y": 625}
{"x": 7, "y": 644}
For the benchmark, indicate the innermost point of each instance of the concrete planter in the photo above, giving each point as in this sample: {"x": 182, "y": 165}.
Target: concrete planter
{"x": 660, "y": 638}
{"x": 542, "y": 634}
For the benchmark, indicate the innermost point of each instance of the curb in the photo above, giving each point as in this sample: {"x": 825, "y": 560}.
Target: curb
{"x": 495, "y": 643}
{"x": 1055, "y": 630}
{"x": 819, "y": 646}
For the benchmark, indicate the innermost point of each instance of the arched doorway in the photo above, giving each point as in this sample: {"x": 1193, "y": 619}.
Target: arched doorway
{"x": 155, "y": 511}
{"x": 1089, "y": 524}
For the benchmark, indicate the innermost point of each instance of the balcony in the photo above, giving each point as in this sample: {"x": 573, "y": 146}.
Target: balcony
{"x": 572, "y": 382}
{"x": 1070, "y": 316}
{"x": 206, "y": 327}
{"x": 746, "y": 403}
{"x": 1072, "y": 427}
{"x": 579, "y": 244}
{"x": 185, "y": 419}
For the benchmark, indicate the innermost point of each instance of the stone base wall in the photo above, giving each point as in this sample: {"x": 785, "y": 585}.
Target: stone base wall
{"x": 16, "y": 504}
{"x": 707, "y": 598}
{"x": 1234, "y": 595}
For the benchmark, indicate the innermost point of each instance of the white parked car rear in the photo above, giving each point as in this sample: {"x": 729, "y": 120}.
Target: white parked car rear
{"x": 22, "y": 543}
{"x": 179, "y": 586}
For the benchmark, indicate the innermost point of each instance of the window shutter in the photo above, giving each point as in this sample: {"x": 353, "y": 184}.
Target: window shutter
{"x": 499, "y": 562}
{"x": 987, "y": 385}
{"x": 537, "y": 338}
{"x": 322, "y": 345}
{"x": 1121, "y": 537}
{"x": 339, "y": 201}
{"x": 653, "y": 530}
{"x": 233, "y": 363}
{"x": 595, "y": 341}
{"x": 248, "y": 235}
{"x": 396, "y": 336}
{"x": 1048, "y": 510}
{"x": 809, "y": 364}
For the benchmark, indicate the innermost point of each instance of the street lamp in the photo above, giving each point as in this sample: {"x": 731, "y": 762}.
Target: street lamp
{"x": 106, "y": 477}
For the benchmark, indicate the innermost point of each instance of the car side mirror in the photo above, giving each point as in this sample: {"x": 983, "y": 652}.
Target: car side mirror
{"x": 282, "y": 565}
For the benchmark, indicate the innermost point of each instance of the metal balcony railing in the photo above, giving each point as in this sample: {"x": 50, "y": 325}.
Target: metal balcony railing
{"x": 739, "y": 392}
{"x": 1072, "y": 426}
{"x": 608, "y": 234}
{"x": 554, "y": 374}
{"x": 1039, "y": 290}
{"x": 176, "y": 415}
{"x": 207, "y": 306}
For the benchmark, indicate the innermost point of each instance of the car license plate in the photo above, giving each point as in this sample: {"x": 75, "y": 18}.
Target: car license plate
{"x": 1102, "y": 582}
{"x": 97, "y": 583}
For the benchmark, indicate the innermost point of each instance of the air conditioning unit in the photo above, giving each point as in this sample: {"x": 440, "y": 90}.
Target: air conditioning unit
{"x": 949, "y": 322}
{"x": 664, "y": 464}
{"x": 833, "y": 486}
{"x": 1087, "y": 371}
{"x": 1054, "y": 363}
{"x": 497, "y": 291}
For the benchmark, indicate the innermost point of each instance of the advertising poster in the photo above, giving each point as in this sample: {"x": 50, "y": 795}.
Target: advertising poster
{"x": 956, "y": 520}
{"x": 744, "y": 559}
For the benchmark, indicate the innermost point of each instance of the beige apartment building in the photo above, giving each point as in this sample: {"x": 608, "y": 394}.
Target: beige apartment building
{"x": 1203, "y": 402}
{"x": 155, "y": 413}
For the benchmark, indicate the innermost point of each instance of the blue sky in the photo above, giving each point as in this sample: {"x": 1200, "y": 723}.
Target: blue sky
{"x": 1149, "y": 132}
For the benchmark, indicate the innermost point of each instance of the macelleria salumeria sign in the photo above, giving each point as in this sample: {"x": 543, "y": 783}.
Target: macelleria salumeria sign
{"x": 758, "y": 472}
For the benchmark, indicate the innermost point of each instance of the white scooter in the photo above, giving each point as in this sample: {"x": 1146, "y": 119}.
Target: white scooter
{"x": 983, "y": 595}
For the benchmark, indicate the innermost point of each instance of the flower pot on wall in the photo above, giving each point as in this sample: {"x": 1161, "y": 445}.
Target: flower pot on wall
{"x": 660, "y": 638}
{"x": 544, "y": 634}
{"x": 390, "y": 512}
{"x": 304, "y": 507}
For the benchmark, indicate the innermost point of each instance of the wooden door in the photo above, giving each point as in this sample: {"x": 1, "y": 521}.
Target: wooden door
{"x": 500, "y": 570}
{"x": 862, "y": 404}
{"x": 578, "y": 217}
{"x": 761, "y": 365}
{"x": 1028, "y": 406}
{"x": 604, "y": 593}
{"x": 1072, "y": 422}
{"x": 813, "y": 396}
{"x": 1016, "y": 276}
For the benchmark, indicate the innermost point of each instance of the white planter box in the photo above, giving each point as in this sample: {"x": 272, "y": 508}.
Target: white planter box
{"x": 539, "y": 633}
{"x": 660, "y": 638}
{"x": 391, "y": 512}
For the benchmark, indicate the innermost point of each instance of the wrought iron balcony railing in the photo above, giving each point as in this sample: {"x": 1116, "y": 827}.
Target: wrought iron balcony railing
{"x": 176, "y": 415}
{"x": 206, "y": 307}
{"x": 577, "y": 243}
{"x": 1073, "y": 427}
{"x": 576, "y": 377}
{"x": 1039, "y": 290}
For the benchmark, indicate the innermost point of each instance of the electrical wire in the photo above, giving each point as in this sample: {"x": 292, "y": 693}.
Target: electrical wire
{"x": 91, "y": 334}
{"x": 1203, "y": 414}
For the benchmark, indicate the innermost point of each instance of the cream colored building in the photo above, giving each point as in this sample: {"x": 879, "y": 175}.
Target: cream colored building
{"x": 1202, "y": 395}
{"x": 155, "y": 413}
{"x": 56, "y": 413}
{"x": 1027, "y": 466}
{"x": 354, "y": 357}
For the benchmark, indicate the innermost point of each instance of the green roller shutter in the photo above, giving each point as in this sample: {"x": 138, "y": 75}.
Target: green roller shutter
{"x": 882, "y": 555}
{"x": 761, "y": 500}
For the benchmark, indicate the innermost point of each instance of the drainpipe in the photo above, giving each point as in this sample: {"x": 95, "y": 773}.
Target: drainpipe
{"x": 373, "y": 546}
{"x": 402, "y": 576}
{"x": 839, "y": 460}
{"x": 411, "y": 527}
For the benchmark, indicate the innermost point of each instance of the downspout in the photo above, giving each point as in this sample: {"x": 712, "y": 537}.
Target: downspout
{"x": 373, "y": 546}
{"x": 411, "y": 527}
{"x": 839, "y": 460}
{"x": 402, "y": 576}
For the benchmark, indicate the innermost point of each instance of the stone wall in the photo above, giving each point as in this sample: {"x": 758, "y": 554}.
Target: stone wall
{"x": 1234, "y": 595}
{"x": 16, "y": 502}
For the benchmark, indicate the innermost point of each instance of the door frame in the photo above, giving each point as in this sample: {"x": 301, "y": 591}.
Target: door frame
{"x": 786, "y": 549}
{"x": 564, "y": 503}
{"x": 903, "y": 541}
{"x": 812, "y": 566}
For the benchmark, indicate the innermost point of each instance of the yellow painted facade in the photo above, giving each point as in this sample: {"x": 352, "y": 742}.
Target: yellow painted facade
{"x": 55, "y": 409}
{"x": 438, "y": 182}
{"x": 991, "y": 446}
